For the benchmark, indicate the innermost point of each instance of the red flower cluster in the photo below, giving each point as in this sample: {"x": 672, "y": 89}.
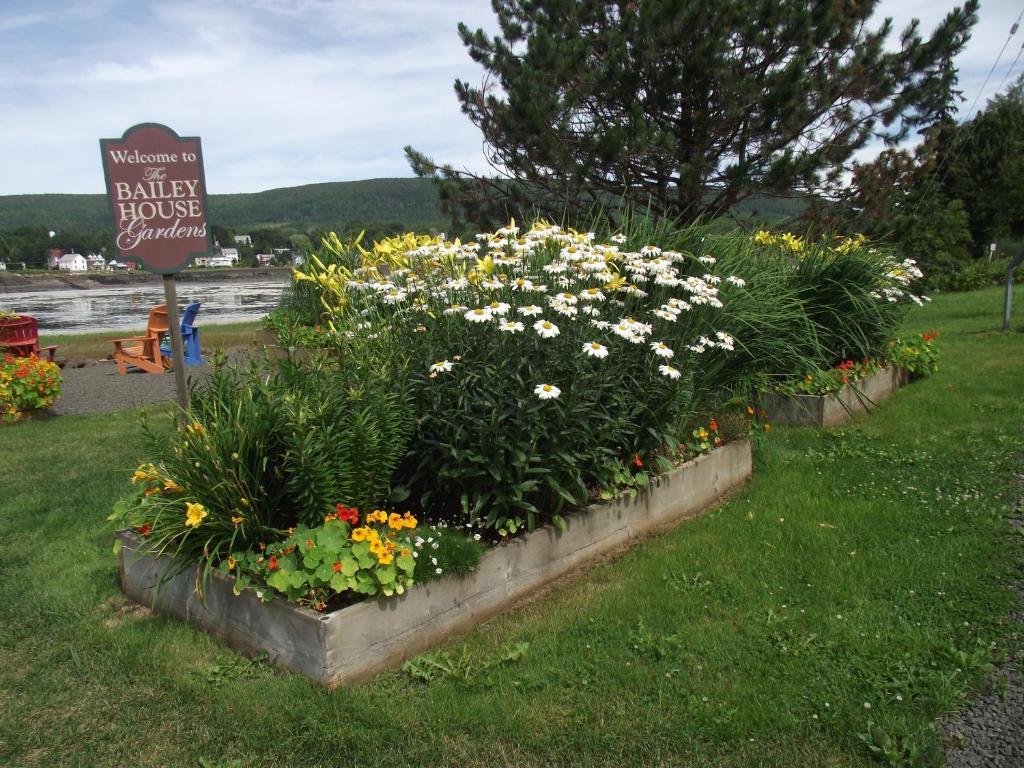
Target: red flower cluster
{"x": 345, "y": 514}
{"x": 930, "y": 335}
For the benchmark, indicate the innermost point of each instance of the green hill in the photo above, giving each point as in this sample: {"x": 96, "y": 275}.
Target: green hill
{"x": 414, "y": 202}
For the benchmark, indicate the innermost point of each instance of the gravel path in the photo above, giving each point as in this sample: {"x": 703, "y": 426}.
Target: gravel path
{"x": 990, "y": 734}
{"x": 99, "y": 388}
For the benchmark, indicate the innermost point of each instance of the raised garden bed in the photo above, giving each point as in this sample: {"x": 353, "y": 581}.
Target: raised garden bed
{"x": 829, "y": 410}
{"x": 355, "y": 642}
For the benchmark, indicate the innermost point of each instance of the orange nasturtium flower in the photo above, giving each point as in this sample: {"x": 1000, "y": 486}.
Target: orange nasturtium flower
{"x": 395, "y": 521}
{"x": 360, "y": 534}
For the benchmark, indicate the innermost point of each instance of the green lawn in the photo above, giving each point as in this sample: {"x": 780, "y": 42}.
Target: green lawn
{"x": 861, "y": 576}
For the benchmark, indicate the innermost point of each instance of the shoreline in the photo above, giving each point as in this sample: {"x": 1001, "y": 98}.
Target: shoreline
{"x": 12, "y": 282}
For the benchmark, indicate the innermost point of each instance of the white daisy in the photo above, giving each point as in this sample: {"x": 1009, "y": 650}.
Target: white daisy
{"x": 620, "y": 239}
{"x": 478, "y": 315}
{"x": 739, "y": 282}
{"x": 498, "y": 308}
{"x": 456, "y": 309}
{"x": 530, "y": 310}
{"x": 547, "y": 391}
{"x": 511, "y": 326}
{"x": 521, "y": 284}
{"x": 665, "y": 315}
{"x": 668, "y": 370}
{"x": 659, "y": 348}
{"x": 707, "y": 259}
{"x": 545, "y": 329}
{"x": 592, "y": 294}
{"x": 594, "y": 349}
{"x": 440, "y": 367}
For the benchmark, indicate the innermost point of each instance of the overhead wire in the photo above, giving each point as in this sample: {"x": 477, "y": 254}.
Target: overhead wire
{"x": 931, "y": 186}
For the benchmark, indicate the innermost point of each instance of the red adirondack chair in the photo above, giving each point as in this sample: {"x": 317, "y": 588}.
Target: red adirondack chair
{"x": 19, "y": 335}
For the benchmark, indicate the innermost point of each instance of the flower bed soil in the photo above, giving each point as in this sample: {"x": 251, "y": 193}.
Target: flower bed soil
{"x": 355, "y": 642}
{"x": 830, "y": 410}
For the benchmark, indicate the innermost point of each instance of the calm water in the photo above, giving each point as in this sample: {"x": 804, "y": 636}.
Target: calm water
{"x": 125, "y": 307}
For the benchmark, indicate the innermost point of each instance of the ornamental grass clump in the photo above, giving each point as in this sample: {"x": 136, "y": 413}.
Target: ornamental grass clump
{"x": 540, "y": 360}
{"x": 854, "y": 293}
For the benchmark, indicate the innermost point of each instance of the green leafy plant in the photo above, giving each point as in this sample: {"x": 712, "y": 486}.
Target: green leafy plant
{"x": 435, "y": 665}
{"x": 919, "y": 750}
{"x": 312, "y": 565}
{"x": 919, "y": 354}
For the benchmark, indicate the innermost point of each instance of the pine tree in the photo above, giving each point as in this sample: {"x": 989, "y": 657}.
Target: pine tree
{"x": 686, "y": 106}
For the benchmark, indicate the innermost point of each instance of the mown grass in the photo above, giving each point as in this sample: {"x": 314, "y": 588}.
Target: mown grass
{"x": 96, "y": 346}
{"x": 862, "y": 576}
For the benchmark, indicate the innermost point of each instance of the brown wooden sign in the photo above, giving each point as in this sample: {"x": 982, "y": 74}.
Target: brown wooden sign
{"x": 157, "y": 192}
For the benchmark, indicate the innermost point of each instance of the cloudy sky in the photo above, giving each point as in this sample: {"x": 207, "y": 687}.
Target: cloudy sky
{"x": 282, "y": 92}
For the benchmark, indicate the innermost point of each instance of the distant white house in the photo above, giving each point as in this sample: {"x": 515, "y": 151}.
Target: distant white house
{"x": 3, "y": 266}
{"x": 227, "y": 257}
{"x": 73, "y": 262}
{"x": 298, "y": 259}
{"x": 264, "y": 259}
{"x": 243, "y": 239}
{"x": 96, "y": 261}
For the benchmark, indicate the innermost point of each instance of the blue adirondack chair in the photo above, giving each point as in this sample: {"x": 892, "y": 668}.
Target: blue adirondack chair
{"x": 189, "y": 336}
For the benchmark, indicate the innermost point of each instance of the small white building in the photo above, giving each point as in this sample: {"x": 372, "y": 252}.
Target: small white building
{"x": 227, "y": 257}
{"x": 3, "y": 266}
{"x": 73, "y": 262}
{"x": 264, "y": 259}
{"x": 96, "y": 261}
{"x": 243, "y": 240}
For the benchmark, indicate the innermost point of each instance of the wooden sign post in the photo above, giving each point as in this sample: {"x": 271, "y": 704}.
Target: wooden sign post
{"x": 157, "y": 192}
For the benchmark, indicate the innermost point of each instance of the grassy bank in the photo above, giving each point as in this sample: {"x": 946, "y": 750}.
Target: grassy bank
{"x": 96, "y": 346}
{"x": 860, "y": 578}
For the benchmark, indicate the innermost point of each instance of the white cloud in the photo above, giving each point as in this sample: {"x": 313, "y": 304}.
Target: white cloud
{"x": 282, "y": 92}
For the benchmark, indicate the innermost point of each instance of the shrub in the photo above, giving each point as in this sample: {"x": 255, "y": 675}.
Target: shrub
{"x": 27, "y": 384}
{"x": 539, "y": 363}
{"x": 968, "y": 277}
